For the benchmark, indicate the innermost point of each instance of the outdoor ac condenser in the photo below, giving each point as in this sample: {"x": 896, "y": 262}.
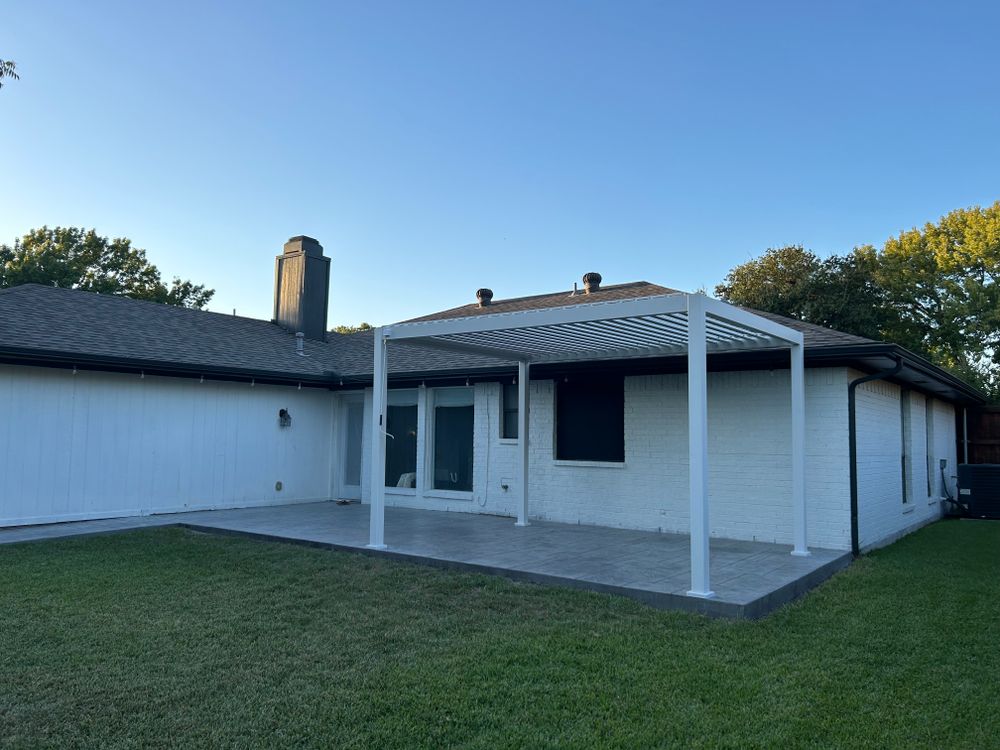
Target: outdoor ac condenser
{"x": 979, "y": 488}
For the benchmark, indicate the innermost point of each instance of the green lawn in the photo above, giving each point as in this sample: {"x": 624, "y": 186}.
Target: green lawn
{"x": 167, "y": 637}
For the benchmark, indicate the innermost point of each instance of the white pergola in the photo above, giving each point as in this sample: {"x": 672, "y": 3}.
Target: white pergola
{"x": 665, "y": 325}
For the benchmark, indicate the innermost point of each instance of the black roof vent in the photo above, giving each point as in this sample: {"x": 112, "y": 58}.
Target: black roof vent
{"x": 591, "y": 282}
{"x": 484, "y": 296}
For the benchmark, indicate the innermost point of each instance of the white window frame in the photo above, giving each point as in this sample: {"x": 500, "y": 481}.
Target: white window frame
{"x": 429, "y": 431}
{"x": 407, "y": 397}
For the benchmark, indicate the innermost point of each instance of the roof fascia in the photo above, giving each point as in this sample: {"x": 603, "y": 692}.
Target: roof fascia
{"x": 45, "y": 358}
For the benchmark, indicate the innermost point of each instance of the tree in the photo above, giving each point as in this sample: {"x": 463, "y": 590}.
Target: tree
{"x": 944, "y": 280}
{"x": 778, "y": 281}
{"x": 81, "y": 259}
{"x": 352, "y": 329}
{"x": 935, "y": 291}
{"x": 794, "y": 282}
{"x": 8, "y": 69}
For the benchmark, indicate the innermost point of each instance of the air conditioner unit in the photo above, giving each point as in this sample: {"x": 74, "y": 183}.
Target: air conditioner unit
{"x": 979, "y": 489}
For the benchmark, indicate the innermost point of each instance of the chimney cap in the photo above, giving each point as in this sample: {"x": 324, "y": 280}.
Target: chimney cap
{"x": 484, "y": 296}
{"x": 591, "y": 282}
{"x": 302, "y": 243}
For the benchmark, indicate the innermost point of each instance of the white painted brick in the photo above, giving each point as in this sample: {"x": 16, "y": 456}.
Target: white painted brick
{"x": 881, "y": 513}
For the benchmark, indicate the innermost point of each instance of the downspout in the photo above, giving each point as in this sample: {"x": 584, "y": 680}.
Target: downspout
{"x": 852, "y": 437}
{"x": 965, "y": 435}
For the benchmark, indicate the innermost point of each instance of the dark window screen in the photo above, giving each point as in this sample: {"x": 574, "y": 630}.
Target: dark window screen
{"x": 453, "y": 426}
{"x": 590, "y": 419}
{"x": 401, "y": 448}
{"x": 508, "y": 411}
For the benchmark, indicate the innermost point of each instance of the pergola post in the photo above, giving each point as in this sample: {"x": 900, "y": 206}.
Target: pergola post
{"x": 798, "y": 451}
{"x": 376, "y": 525}
{"x": 697, "y": 361}
{"x": 523, "y": 379}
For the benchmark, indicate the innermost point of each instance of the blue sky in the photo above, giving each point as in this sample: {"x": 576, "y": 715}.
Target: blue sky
{"x": 436, "y": 147}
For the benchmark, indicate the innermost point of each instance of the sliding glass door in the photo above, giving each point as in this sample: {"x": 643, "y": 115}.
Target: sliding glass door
{"x": 453, "y": 422}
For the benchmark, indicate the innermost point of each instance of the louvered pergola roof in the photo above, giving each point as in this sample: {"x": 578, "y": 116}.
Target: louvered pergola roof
{"x": 639, "y": 327}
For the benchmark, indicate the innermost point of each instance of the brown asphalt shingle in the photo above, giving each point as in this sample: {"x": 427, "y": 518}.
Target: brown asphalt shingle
{"x": 49, "y": 320}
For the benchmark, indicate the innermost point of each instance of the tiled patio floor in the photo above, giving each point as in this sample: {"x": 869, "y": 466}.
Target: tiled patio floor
{"x": 750, "y": 579}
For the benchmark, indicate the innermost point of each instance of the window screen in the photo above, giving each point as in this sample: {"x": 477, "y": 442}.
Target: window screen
{"x": 401, "y": 448}
{"x": 929, "y": 447}
{"x": 354, "y": 428}
{"x": 905, "y": 448}
{"x": 454, "y": 419}
{"x": 508, "y": 411}
{"x": 590, "y": 419}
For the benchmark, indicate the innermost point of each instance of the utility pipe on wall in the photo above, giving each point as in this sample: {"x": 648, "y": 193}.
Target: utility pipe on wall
{"x": 965, "y": 435}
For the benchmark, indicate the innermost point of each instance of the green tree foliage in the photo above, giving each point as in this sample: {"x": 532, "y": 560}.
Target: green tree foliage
{"x": 794, "y": 282}
{"x": 352, "y": 329}
{"x": 779, "y": 281}
{"x": 81, "y": 259}
{"x": 945, "y": 281}
{"x": 934, "y": 290}
{"x": 8, "y": 69}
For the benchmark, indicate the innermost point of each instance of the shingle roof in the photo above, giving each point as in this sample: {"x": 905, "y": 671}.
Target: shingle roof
{"x": 554, "y": 299}
{"x": 48, "y": 321}
{"x": 52, "y": 320}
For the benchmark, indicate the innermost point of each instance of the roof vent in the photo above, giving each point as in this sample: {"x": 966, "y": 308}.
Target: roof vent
{"x": 591, "y": 282}
{"x": 484, "y": 296}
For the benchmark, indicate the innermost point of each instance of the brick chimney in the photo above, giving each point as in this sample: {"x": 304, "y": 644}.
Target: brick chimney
{"x": 302, "y": 287}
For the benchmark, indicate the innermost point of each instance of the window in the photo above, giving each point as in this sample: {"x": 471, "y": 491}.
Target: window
{"x": 401, "y": 448}
{"x": 929, "y": 446}
{"x": 590, "y": 419}
{"x": 904, "y": 443}
{"x": 508, "y": 411}
{"x": 454, "y": 420}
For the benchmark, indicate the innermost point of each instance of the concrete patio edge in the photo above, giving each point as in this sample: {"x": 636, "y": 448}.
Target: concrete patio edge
{"x": 753, "y": 610}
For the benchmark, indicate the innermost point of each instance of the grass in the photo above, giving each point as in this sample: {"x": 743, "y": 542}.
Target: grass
{"x": 167, "y": 637}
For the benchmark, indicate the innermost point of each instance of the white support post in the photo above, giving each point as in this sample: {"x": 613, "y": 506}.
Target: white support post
{"x": 376, "y": 525}
{"x": 698, "y": 446}
{"x": 523, "y": 380}
{"x": 798, "y": 451}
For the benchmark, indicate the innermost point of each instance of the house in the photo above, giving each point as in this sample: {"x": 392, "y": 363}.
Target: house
{"x": 784, "y": 432}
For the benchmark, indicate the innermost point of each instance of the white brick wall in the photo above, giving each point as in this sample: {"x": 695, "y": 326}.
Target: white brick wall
{"x": 882, "y": 515}
{"x": 749, "y": 454}
{"x": 749, "y": 459}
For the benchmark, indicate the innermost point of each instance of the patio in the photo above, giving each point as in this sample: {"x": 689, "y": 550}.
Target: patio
{"x": 750, "y": 579}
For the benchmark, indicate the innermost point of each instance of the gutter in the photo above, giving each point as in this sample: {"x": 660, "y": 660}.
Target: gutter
{"x": 852, "y": 437}
{"x": 67, "y": 360}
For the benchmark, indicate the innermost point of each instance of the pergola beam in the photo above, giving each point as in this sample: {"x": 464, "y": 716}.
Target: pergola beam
{"x": 725, "y": 312}
{"x": 450, "y": 345}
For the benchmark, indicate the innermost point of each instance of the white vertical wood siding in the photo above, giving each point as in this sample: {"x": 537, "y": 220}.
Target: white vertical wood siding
{"x": 99, "y": 445}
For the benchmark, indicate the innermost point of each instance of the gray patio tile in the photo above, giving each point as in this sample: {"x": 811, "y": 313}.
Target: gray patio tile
{"x": 750, "y": 578}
